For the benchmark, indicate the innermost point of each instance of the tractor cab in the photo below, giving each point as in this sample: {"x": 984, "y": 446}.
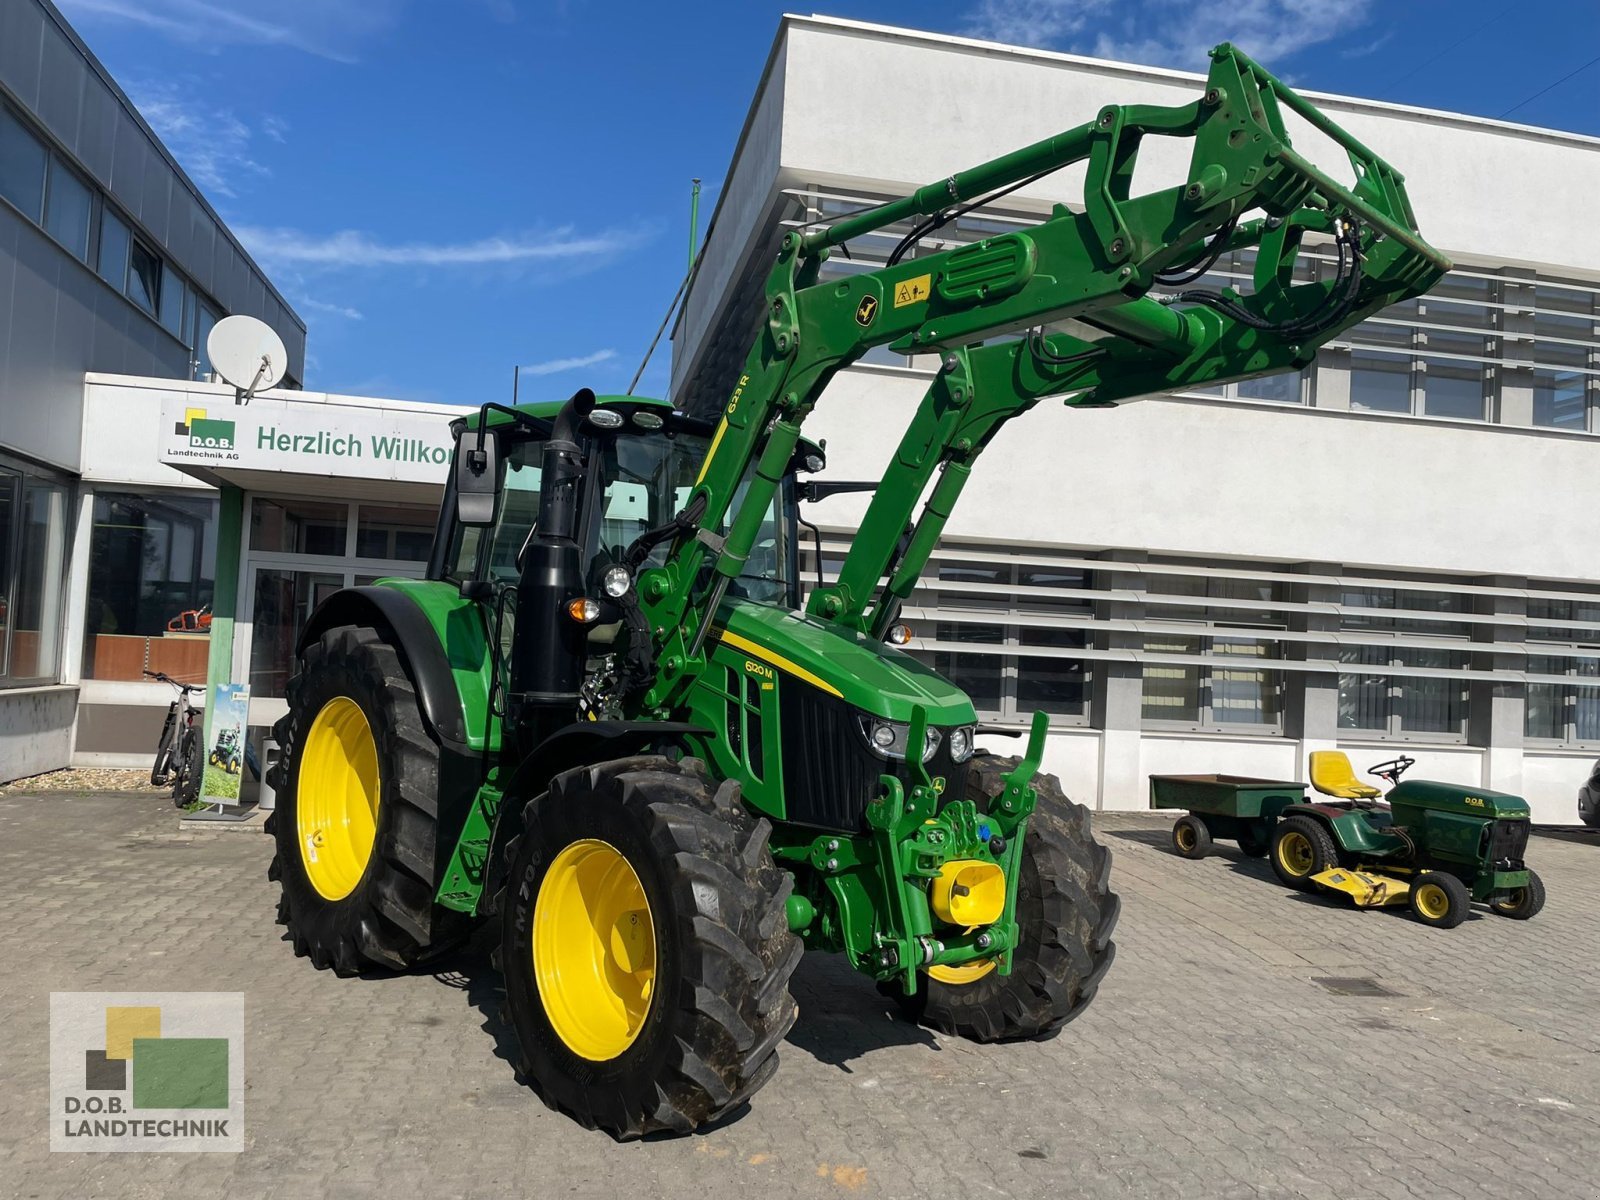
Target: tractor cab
{"x": 642, "y": 460}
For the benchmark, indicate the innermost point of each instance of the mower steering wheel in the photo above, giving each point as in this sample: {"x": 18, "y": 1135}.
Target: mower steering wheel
{"x": 1391, "y": 771}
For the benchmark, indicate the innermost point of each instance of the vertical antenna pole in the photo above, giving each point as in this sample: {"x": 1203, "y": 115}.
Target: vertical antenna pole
{"x": 694, "y": 222}
{"x": 516, "y": 378}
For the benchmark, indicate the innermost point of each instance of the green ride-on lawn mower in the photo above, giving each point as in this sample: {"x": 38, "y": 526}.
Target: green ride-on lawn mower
{"x": 225, "y": 753}
{"x": 1435, "y": 846}
{"x": 606, "y": 721}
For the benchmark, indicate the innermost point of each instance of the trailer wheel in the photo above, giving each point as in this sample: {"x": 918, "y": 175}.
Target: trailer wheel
{"x": 1190, "y": 837}
{"x": 1439, "y": 900}
{"x": 645, "y": 947}
{"x": 1523, "y": 902}
{"x": 1253, "y": 843}
{"x": 1302, "y": 847}
{"x": 356, "y": 824}
{"x": 1066, "y": 910}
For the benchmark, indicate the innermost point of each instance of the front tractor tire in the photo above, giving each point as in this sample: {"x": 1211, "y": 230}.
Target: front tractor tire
{"x": 1066, "y": 911}
{"x": 356, "y": 822}
{"x": 645, "y": 947}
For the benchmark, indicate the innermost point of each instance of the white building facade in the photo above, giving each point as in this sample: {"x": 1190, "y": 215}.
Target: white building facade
{"x": 1389, "y": 554}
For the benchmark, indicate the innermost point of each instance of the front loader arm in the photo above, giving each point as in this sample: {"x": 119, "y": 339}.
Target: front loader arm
{"x": 1098, "y": 265}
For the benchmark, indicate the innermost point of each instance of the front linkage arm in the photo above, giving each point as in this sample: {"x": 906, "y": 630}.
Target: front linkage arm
{"x": 1097, "y": 265}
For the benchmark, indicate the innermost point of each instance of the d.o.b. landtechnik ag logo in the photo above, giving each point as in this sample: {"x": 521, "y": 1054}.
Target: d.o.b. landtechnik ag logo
{"x": 146, "y": 1071}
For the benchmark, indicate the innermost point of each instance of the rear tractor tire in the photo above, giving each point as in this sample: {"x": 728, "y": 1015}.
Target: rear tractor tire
{"x": 356, "y": 821}
{"x": 1301, "y": 848}
{"x": 1190, "y": 837}
{"x": 1439, "y": 900}
{"x": 1066, "y": 911}
{"x": 645, "y": 947}
{"x": 1523, "y": 902}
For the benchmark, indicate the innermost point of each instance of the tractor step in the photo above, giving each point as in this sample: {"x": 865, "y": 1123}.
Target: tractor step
{"x": 463, "y": 881}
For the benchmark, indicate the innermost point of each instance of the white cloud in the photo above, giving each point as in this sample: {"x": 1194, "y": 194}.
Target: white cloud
{"x": 352, "y": 248}
{"x": 326, "y": 28}
{"x": 214, "y": 145}
{"x": 556, "y": 365}
{"x": 1171, "y": 33}
{"x": 332, "y": 310}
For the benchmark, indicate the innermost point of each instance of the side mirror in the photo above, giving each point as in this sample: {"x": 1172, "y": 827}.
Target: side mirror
{"x": 477, "y": 478}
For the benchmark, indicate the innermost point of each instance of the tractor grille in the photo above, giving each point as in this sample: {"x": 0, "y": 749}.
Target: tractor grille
{"x": 829, "y": 775}
{"x": 1508, "y": 841}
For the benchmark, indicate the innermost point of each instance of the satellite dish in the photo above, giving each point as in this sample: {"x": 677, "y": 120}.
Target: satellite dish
{"x": 246, "y": 353}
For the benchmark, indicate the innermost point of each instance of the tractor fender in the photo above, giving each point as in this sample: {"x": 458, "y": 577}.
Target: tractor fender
{"x": 1352, "y": 832}
{"x": 574, "y": 745}
{"x": 405, "y": 627}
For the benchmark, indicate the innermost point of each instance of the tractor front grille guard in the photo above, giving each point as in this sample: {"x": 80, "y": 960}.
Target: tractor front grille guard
{"x": 1507, "y": 843}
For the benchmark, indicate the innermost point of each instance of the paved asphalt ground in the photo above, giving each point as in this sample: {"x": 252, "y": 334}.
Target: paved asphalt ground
{"x": 1213, "y": 1063}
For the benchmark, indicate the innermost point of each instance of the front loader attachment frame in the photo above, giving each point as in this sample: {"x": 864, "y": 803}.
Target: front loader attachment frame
{"x": 1098, "y": 263}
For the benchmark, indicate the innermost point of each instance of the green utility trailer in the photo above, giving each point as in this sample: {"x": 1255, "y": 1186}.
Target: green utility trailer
{"x": 611, "y": 719}
{"x": 1236, "y": 807}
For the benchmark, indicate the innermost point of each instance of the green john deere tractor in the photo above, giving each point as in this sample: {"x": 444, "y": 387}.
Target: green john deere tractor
{"x": 606, "y": 721}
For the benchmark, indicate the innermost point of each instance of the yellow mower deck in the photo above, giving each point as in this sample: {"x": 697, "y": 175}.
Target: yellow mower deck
{"x": 1368, "y": 889}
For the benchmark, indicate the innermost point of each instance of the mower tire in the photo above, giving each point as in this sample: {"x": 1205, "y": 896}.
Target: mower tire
{"x": 645, "y": 947}
{"x": 1440, "y": 900}
{"x": 1524, "y": 902}
{"x": 1190, "y": 837}
{"x": 1301, "y": 848}
{"x": 356, "y": 825}
{"x": 1066, "y": 910}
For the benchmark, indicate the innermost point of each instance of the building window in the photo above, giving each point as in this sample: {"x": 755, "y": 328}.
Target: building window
{"x": 1568, "y": 713}
{"x": 283, "y": 600}
{"x": 394, "y": 532}
{"x": 1024, "y": 656}
{"x": 144, "y": 277}
{"x": 152, "y": 566}
{"x": 1214, "y": 693}
{"x": 33, "y": 555}
{"x": 68, "y": 209}
{"x": 1387, "y": 697}
{"x": 299, "y": 526}
{"x": 22, "y": 166}
{"x": 115, "y": 240}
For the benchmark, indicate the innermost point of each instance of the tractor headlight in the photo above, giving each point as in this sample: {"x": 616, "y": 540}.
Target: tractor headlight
{"x": 961, "y": 743}
{"x": 616, "y": 582}
{"x": 888, "y": 738}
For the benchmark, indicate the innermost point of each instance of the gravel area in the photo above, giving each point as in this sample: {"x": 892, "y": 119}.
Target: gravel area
{"x": 85, "y": 780}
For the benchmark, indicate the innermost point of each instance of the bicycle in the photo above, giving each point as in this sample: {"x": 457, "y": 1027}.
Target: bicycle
{"x": 173, "y": 754}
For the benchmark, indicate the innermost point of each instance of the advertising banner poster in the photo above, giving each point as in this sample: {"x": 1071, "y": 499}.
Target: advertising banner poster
{"x": 226, "y": 721}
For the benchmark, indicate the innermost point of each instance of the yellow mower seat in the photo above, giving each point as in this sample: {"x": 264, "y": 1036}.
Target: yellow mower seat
{"x": 1332, "y": 775}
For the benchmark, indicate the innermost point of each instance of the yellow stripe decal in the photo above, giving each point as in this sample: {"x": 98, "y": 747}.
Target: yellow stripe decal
{"x": 716, "y": 440}
{"x": 777, "y": 660}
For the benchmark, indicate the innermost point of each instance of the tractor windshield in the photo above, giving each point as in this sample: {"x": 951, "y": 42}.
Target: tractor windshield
{"x": 646, "y": 479}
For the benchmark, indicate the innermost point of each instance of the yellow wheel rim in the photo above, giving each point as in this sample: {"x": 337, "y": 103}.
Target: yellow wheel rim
{"x": 1513, "y": 900}
{"x": 966, "y": 973}
{"x": 1184, "y": 836}
{"x": 1296, "y": 854}
{"x": 594, "y": 950}
{"x": 336, "y": 805}
{"x": 1432, "y": 901}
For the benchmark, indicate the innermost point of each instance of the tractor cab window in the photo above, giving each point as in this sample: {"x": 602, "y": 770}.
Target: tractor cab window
{"x": 647, "y": 480}
{"x": 519, "y": 508}
{"x": 519, "y": 505}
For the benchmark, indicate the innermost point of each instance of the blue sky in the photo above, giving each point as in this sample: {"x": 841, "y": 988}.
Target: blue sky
{"x": 446, "y": 188}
